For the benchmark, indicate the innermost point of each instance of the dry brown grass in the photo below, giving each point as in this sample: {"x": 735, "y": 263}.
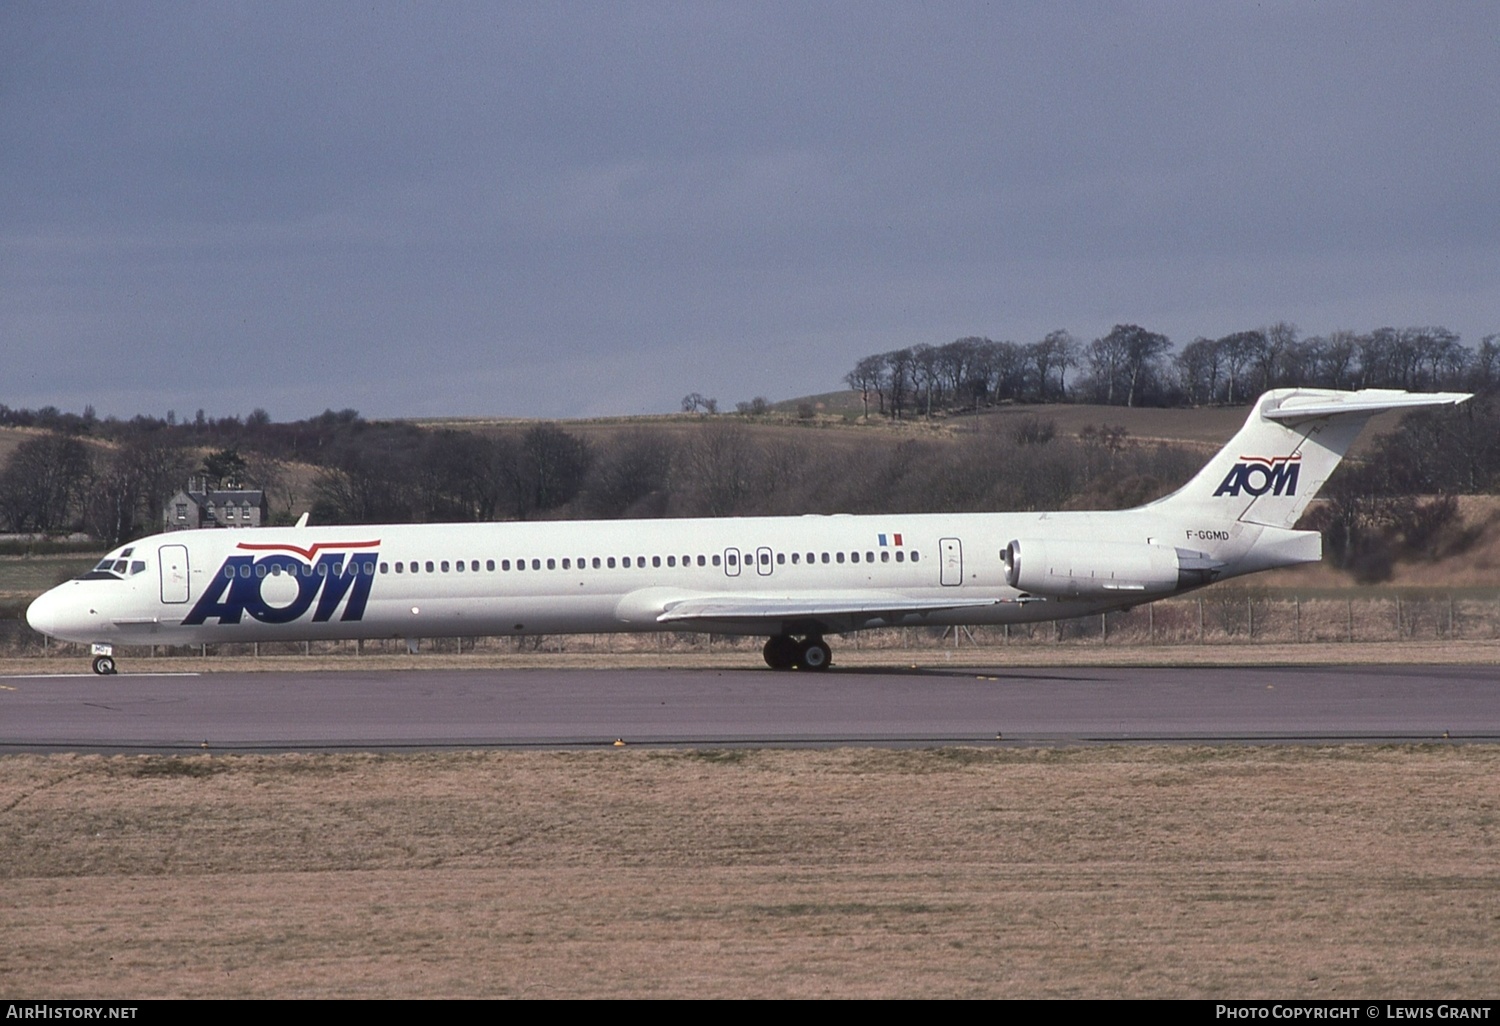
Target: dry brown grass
{"x": 1317, "y": 872}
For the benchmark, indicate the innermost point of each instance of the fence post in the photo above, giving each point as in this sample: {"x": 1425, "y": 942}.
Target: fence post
{"x": 1298, "y": 628}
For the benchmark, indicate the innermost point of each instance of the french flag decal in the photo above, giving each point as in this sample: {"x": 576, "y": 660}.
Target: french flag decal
{"x": 889, "y": 539}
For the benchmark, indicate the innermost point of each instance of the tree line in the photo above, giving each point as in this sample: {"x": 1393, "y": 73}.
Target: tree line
{"x": 111, "y": 478}
{"x": 1131, "y": 366}
{"x": 399, "y": 472}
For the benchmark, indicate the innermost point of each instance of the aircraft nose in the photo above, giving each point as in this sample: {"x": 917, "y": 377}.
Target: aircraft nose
{"x": 42, "y": 613}
{"x": 58, "y": 614}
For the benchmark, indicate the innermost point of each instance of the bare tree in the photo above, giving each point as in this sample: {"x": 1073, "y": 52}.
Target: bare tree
{"x": 1058, "y": 351}
{"x": 1198, "y": 370}
{"x": 43, "y": 485}
{"x": 866, "y": 377}
{"x": 631, "y": 477}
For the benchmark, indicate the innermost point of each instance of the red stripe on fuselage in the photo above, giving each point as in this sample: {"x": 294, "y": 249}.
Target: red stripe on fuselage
{"x": 311, "y": 551}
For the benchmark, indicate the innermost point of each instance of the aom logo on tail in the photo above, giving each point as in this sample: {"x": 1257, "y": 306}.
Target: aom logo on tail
{"x": 1257, "y": 475}
{"x": 281, "y": 585}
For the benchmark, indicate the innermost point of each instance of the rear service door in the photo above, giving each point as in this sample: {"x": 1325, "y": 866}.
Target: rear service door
{"x": 174, "y": 573}
{"x": 952, "y": 558}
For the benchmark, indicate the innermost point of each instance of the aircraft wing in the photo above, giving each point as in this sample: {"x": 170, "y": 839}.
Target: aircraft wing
{"x": 754, "y": 609}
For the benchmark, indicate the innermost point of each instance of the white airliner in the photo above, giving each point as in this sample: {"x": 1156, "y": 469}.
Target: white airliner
{"x": 792, "y": 579}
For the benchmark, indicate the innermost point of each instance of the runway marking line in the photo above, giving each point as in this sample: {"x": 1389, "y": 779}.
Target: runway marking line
{"x": 63, "y": 676}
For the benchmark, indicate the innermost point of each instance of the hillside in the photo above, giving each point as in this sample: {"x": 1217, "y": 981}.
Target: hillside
{"x": 835, "y": 443}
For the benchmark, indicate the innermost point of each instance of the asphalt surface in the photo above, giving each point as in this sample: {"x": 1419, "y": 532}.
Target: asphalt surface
{"x": 440, "y": 709}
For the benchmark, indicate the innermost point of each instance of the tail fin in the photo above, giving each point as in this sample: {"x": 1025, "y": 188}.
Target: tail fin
{"x": 1290, "y": 444}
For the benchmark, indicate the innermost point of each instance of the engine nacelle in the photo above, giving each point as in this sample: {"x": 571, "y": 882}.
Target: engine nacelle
{"x": 1100, "y": 569}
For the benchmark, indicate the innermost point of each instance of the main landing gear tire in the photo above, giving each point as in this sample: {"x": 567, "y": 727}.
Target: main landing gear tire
{"x": 104, "y": 665}
{"x": 816, "y": 655}
{"x": 786, "y": 653}
{"x": 781, "y": 652}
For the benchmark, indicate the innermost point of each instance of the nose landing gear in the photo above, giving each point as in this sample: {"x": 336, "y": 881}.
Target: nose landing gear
{"x": 104, "y": 660}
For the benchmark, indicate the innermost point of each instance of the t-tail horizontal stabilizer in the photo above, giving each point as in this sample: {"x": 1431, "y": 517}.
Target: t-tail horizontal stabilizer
{"x": 1290, "y": 444}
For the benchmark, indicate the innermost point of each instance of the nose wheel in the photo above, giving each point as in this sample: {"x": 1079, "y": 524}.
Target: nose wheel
{"x": 104, "y": 665}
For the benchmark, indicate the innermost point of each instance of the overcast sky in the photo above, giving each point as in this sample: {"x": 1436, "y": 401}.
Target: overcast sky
{"x": 570, "y": 209}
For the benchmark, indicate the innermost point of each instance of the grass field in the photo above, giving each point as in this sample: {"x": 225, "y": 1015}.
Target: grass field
{"x": 1344, "y": 872}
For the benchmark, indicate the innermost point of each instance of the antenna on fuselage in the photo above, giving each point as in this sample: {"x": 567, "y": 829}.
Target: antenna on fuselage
{"x": 302, "y": 520}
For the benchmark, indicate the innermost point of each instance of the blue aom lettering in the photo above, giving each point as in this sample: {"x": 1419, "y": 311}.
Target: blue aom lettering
{"x": 1258, "y": 476}
{"x": 335, "y": 578}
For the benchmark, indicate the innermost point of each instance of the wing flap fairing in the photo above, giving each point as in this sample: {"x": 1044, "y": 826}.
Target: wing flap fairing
{"x": 741, "y": 608}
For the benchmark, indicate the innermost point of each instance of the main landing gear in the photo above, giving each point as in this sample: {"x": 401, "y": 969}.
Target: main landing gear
{"x": 784, "y": 652}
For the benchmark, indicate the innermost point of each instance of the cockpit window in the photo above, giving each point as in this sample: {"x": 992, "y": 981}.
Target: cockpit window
{"x": 115, "y": 568}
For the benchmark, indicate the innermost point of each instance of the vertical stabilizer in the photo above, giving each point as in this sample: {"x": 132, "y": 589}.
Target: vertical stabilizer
{"x": 1290, "y": 444}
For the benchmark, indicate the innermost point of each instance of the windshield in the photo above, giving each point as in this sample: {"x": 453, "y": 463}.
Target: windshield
{"x": 115, "y": 567}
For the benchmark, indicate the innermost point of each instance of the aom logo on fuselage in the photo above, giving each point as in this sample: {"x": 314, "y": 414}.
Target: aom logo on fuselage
{"x": 281, "y": 585}
{"x": 1257, "y": 475}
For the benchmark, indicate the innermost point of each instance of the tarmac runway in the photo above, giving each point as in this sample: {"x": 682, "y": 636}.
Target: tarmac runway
{"x": 444, "y": 709}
